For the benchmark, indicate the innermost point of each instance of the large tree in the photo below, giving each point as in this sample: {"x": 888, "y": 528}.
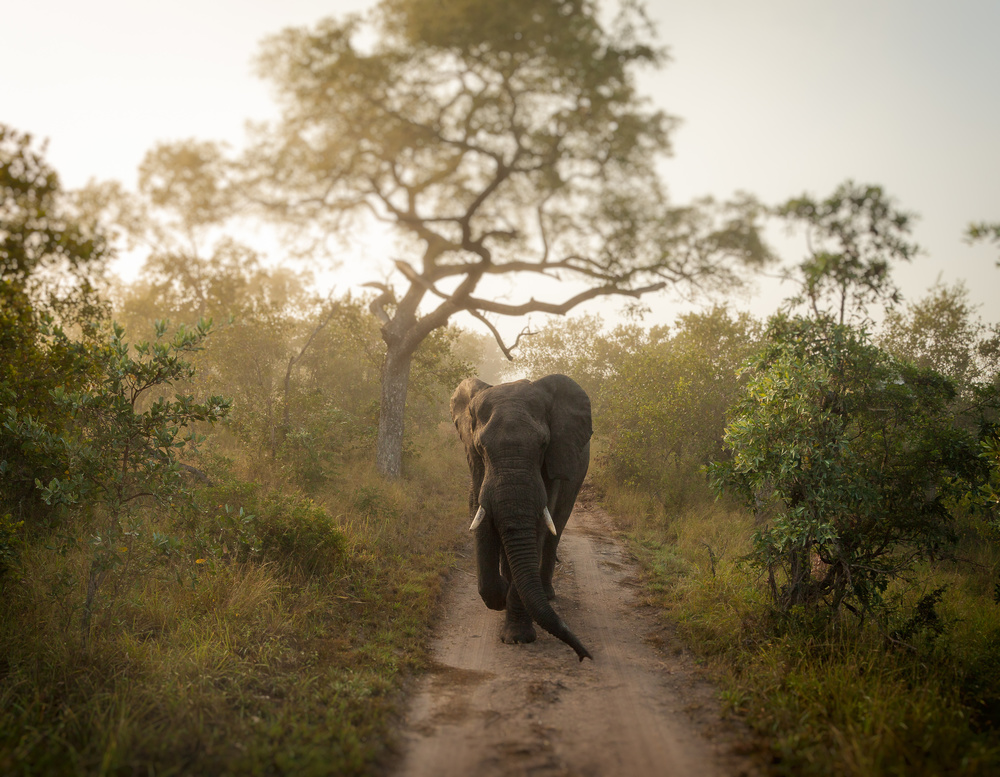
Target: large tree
{"x": 492, "y": 139}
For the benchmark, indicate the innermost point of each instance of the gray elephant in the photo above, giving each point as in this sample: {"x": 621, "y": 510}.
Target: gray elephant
{"x": 528, "y": 446}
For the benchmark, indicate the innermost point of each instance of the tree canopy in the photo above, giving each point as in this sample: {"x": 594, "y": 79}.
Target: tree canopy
{"x": 490, "y": 140}
{"x": 36, "y": 231}
{"x": 854, "y": 236}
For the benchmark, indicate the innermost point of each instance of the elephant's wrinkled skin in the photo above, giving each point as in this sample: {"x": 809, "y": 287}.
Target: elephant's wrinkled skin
{"x": 528, "y": 446}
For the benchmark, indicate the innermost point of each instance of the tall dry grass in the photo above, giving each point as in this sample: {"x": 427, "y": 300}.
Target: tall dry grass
{"x": 271, "y": 641}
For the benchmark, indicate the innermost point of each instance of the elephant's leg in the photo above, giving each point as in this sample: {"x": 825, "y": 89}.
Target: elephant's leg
{"x": 517, "y": 626}
{"x": 492, "y": 586}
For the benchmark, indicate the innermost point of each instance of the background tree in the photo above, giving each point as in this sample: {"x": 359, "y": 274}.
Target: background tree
{"x": 943, "y": 332}
{"x": 984, "y": 231}
{"x": 268, "y": 317}
{"x": 490, "y": 140}
{"x": 296, "y": 364}
{"x": 659, "y": 395}
{"x": 853, "y": 237}
{"x": 480, "y": 349}
{"x": 48, "y": 255}
{"x": 576, "y": 346}
{"x": 664, "y": 406}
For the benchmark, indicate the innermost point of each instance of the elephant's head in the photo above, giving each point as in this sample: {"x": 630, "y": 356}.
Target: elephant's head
{"x": 524, "y": 440}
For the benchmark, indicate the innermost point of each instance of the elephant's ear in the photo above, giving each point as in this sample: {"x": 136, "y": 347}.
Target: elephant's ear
{"x": 570, "y": 426}
{"x": 460, "y": 400}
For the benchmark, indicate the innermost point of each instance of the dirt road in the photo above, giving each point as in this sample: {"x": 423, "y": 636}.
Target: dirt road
{"x": 490, "y": 709}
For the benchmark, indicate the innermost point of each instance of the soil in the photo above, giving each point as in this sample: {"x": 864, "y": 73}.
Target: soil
{"x": 639, "y": 708}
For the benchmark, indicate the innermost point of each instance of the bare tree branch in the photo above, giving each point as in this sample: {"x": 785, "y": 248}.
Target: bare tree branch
{"x": 496, "y": 333}
{"x": 377, "y": 306}
{"x": 561, "y": 309}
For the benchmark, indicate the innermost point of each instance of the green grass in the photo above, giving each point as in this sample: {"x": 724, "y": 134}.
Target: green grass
{"x": 269, "y": 642}
{"x": 831, "y": 698}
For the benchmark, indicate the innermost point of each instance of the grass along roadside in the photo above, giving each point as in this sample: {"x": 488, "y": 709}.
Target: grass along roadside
{"x": 264, "y": 633}
{"x": 832, "y": 698}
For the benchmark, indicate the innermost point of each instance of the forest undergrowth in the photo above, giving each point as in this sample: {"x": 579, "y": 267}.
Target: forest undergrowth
{"x": 916, "y": 692}
{"x": 259, "y": 631}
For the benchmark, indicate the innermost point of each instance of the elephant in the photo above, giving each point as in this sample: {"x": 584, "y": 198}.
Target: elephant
{"x": 528, "y": 447}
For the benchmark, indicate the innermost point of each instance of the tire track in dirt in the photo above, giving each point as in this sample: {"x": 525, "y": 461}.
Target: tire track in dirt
{"x": 639, "y": 708}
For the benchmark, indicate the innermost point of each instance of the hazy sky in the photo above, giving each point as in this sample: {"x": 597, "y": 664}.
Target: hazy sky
{"x": 777, "y": 97}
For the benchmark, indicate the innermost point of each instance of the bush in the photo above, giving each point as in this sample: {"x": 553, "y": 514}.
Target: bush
{"x": 852, "y": 461}
{"x": 119, "y": 444}
{"x": 239, "y": 522}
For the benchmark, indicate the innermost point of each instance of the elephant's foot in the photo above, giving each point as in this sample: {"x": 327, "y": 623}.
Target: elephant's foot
{"x": 517, "y": 632}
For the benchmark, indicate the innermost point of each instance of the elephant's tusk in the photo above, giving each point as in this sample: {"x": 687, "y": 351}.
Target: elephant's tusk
{"x": 480, "y": 514}
{"x": 549, "y": 522}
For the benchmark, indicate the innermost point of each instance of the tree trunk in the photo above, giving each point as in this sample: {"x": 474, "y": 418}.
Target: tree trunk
{"x": 395, "y": 381}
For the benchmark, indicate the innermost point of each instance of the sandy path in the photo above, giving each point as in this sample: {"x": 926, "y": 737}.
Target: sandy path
{"x": 639, "y": 708}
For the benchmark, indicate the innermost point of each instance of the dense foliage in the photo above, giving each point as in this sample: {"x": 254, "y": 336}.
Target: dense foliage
{"x": 48, "y": 261}
{"x": 665, "y": 404}
{"x": 943, "y": 331}
{"x": 852, "y": 460}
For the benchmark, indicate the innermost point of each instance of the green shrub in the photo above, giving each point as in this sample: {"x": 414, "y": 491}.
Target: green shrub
{"x": 239, "y": 521}
{"x": 853, "y": 461}
{"x": 118, "y": 439}
{"x": 295, "y": 530}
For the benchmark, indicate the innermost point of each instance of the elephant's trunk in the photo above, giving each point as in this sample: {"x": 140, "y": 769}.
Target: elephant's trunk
{"x": 522, "y": 555}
